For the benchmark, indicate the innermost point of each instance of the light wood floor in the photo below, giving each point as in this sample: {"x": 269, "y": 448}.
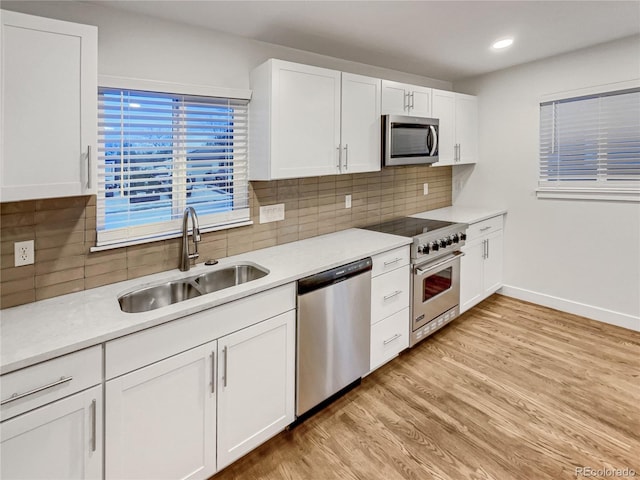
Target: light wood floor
{"x": 510, "y": 390}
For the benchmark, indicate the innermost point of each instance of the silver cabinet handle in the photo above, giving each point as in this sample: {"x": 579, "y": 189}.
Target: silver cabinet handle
{"x": 485, "y": 228}
{"x": 391, "y": 262}
{"x": 226, "y": 361}
{"x": 389, "y": 340}
{"x": 213, "y": 372}
{"x": 339, "y": 165}
{"x": 88, "y": 166}
{"x": 413, "y": 99}
{"x": 459, "y": 152}
{"x": 487, "y": 240}
{"x": 391, "y": 295}
{"x": 94, "y": 434}
{"x": 346, "y": 156}
{"x": 406, "y": 105}
{"x": 484, "y": 249}
{"x": 17, "y": 396}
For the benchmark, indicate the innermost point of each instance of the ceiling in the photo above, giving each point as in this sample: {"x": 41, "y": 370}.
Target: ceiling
{"x": 447, "y": 40}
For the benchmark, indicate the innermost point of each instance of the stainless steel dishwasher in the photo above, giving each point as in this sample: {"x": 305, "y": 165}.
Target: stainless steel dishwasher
{"x": 334, "y": 325}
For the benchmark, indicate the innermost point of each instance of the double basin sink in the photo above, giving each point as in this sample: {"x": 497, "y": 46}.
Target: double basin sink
{"x": 150, "y": 298}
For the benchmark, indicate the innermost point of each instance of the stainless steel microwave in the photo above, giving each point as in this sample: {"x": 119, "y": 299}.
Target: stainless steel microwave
{"x": 409, "y": 140}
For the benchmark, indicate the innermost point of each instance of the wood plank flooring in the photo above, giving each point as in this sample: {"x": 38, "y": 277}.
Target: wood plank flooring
{"x": 510, "y": 390}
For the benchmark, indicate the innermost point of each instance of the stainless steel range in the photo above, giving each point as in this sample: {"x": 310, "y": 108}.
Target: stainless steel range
{"x": 435, "y": 259}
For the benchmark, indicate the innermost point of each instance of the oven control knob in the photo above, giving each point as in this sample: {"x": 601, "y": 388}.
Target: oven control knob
{"x": 463, "y": 236}
{"x": 426, "y": 249}
{"x": 443, "y": 243}
{"x": 450, "y": 240}
{"x": 455, "y": 238}
{"x": 435, "y": 246}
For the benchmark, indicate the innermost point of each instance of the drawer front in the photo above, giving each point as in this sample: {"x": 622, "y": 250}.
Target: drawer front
{"x": 390, "y": 293}
{"x": 389, "y": 337}
{"x": 485, "y": 227}
{"x": 45, "y": 382}
{"x": 391, "y": 260}
{"x": 149, "y": 346}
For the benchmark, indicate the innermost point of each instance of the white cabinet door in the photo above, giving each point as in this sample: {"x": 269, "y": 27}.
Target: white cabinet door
{"x": 493, "y": 263}
{"x": 256, "y": 377}
{"x": 389, "y": 337}
{"x": 444, "y": 109}
{"x": 394, "y": 98}
{"x": 49, "y": 108}
{"x": 420, "y": 101}
{"x": 467, "y": 128}
{"x": 360, "y": 124}
{"x": 161, "y": 419}
{"x": 61, "y": 440}
{"x": 471, "y": 274}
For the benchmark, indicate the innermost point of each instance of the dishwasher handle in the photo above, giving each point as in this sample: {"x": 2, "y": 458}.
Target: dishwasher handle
{"x": 335, "y": 275}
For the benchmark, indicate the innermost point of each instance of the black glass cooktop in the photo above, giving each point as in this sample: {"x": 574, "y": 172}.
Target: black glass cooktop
{"x": 408, "y": 226}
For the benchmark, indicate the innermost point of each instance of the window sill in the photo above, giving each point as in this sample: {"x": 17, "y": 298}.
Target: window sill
{"x": 628, "y": 195}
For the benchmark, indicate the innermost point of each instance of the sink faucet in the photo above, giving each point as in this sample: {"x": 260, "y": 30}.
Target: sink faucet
{"x": 185, "y": 260}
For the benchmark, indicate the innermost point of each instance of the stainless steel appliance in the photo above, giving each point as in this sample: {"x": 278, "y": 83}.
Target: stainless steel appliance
{"x": 435, "y": 259}
{"x": 333, "y": 334}
{"x": 409, "y": 140}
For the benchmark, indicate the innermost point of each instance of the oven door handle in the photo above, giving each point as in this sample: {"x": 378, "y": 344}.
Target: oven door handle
{"x": 420, "y": 271}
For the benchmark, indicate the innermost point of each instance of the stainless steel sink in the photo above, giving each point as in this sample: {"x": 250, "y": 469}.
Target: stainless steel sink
{"x": 157, "y": 296}
{"x": 228, "y": 277}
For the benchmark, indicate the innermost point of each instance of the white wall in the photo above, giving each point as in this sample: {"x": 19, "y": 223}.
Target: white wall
{"x": 139, "y": 46}
{"x": 578, "y": 256}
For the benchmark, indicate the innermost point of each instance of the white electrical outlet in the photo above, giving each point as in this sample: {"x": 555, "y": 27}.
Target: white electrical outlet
{"x": 425, "y": 188}
{"x": 347, "y": 201}
{"x": 23, "y": 252}
{"x": 272, "y": 213}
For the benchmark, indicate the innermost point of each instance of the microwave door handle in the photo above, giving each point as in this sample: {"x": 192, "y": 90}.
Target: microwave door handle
{"x": 434, "y": 136}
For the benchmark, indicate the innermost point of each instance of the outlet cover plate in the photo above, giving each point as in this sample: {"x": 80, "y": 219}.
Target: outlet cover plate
{"x": 23, "y": 253}
{"x": 347, "y": 201}
{"x": 425, "y": 188}
{"x": 272, "y": 213}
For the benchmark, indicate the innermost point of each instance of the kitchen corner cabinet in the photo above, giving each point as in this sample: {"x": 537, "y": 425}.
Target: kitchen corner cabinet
{"x": 481, "y": 266}
{"x": 403, "y": 99}
{"x": 458, "y": 129}
{"x": 310, "y": 121}
{"x": 49, "y": 108}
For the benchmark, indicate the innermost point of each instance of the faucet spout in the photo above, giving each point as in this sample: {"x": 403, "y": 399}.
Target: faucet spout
{"x": 186, "y": 257}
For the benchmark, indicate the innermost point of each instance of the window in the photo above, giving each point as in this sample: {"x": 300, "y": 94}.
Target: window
{"x": 160, "y": 153}
{"x": 590, "y": 146}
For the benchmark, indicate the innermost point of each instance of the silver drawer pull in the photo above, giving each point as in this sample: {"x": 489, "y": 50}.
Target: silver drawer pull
{"x": 94, "y": 434}
{"x": 391, "y": 295}
{"x": 391, "y": 262}
{"x": 17, "y": 396}
{"x": 483, "y": 229}
{"x": 395, "y": 337}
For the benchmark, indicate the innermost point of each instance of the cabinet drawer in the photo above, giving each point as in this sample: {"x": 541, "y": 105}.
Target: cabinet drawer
{"x": 48, "y": 381}
{"x": 389, "y": 337}
{"x": 144, "y": 348}
{"x": 485, "y": 227}
{"x": 389, "y": 293}
{"x": 388, "y": 261}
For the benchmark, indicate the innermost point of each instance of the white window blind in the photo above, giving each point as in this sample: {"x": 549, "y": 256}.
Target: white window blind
{"x": 591, "y": 142}
{"x": 160, "y": 153}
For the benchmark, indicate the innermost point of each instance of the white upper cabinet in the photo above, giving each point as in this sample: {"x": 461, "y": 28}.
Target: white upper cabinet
{"x": 458, "y": 127}
{"x": 296, "y": 125}
{"x": 404, "y": 99}
{"x": 49, "y": 108}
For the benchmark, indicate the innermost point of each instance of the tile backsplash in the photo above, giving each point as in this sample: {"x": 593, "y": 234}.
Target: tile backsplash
{"x": 64, "y": 229}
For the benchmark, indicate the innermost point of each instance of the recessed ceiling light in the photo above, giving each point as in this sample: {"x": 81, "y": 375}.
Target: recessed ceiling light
{"x": 504, "y": 43}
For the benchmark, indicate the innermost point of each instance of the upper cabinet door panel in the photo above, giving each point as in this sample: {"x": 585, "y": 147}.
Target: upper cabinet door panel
{"x": 420, "y": 101}
{"x": 467, "y": 127}
{"x": 360, "y": 123}
{"x": 444, "y": 111}
{"x": 305, "y": 120}
{"x": 49, "y": 105}
{"x": 394, "y": 98}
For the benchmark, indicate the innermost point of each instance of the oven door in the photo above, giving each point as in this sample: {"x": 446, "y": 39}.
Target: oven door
{"x": 436, "y": 288}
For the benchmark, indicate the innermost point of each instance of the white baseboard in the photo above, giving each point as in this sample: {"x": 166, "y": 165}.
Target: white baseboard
{"x": 596, "y": 313}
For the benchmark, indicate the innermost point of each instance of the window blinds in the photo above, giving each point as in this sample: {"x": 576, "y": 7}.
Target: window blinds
{"x": 160, "y": 153}
{"x": 591, "y": 141}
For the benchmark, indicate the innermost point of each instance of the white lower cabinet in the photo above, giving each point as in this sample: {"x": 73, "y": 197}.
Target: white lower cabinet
{"x": 389, "y": 337}
{"x": 61, "y": 440}
{"x": 256, "y": 375}
{"x": 161, "y": 419}
{"x": 481, "y": 266}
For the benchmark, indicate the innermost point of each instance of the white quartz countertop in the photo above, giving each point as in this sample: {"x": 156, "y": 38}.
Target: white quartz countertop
{"x": 49, "y": 328}
{"x": 461, "y": 214}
